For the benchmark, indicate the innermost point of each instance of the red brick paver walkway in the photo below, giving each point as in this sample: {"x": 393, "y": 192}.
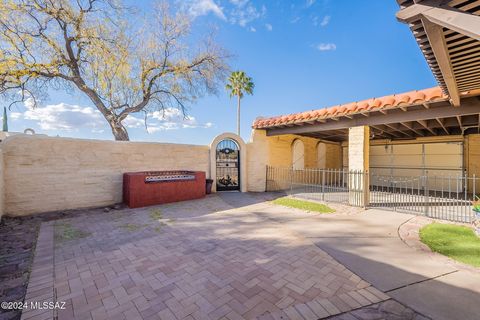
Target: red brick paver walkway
{"x": 191, "y": 260}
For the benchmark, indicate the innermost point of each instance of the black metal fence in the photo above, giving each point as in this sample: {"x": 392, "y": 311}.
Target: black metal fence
{"x": 440, "y": 197}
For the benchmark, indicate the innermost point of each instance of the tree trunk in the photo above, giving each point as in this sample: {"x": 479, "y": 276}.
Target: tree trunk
{"x": 238, "y": 116}
{"x": 119, "y": 131}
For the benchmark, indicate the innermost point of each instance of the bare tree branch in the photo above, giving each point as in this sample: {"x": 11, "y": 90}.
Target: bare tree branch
{"x": 91, "y": 45}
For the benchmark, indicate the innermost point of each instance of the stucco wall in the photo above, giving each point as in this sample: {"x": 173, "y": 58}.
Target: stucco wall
{"x": 280, "y": 150}
{"x": 333, "y": 156}
{"x": 472, "y": 147}
{"x": 276, "y": 151}
{"x": 47, "y": 174}
{"x": 257, "y": 155}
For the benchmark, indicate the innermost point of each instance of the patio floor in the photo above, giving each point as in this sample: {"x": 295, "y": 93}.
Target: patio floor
{"x": 205, "y": 259}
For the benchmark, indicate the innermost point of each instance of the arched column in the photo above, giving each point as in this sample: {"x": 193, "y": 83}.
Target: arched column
{"x": 243, "y": 159}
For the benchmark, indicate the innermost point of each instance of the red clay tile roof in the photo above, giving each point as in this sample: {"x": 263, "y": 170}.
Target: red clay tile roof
{"x": 375, "y": 104}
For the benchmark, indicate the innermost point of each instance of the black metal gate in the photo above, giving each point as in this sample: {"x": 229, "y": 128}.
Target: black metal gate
{"x": 228, "y": 165}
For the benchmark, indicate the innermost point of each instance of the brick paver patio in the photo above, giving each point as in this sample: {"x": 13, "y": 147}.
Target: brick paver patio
{"x": 192, "y": 260}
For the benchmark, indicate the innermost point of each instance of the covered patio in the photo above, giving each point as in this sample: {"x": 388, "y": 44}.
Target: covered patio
{"x": 418, "y": 148}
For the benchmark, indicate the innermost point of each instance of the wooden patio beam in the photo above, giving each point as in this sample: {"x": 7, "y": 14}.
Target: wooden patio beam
{"x": 440, "y": 50}
{"x": 459, "y": 119}
{"x": 440, "y": 121}
{"x": 397, "y": 130}
{"x": 410, "y": 127}
{"x": 424, "y": 124}
{"x": 390, "y": 133}
{"x": 439, "y": 12}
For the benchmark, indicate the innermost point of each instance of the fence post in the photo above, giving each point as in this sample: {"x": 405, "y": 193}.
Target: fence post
{"x": 474, "y": 182}
{"x": 266, "y": 178}
{"x": 291, "y": 180}
{"x": 366, "y": 189}
{"x": 426, "y": 194}
{"x": 323, "y": 184}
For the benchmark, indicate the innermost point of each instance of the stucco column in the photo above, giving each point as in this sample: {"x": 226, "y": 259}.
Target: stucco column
{"x": 358, "y": 165}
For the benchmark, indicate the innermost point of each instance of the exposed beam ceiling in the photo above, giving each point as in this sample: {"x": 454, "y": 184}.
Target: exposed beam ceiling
{"x": 448, "y": 33}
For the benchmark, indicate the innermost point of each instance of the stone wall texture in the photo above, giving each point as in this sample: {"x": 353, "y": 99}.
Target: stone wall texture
{"x": 44, "y": 174}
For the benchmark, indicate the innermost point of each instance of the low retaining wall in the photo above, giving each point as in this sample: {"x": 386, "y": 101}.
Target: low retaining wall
{"x": 44, "y": 174}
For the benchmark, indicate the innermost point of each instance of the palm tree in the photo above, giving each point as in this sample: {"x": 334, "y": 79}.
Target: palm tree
{"x": 239, "y": 84}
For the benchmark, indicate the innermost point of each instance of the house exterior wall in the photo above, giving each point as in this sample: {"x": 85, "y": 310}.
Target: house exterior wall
{"x": 417, "y": 141}
{"x": 258, "y": 158}
{"x": 358, "y": 160}
{"x": 276, "y": 151}
{"x": 48, "y": 174}
{"x": 472, "y": 159}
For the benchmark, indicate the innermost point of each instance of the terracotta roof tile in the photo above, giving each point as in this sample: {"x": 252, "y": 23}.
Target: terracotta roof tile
{"x": 369, "y": 105}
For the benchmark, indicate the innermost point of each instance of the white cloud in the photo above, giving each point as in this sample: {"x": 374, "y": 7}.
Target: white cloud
{"x": 153, "y": 129}
{"x": 241, "y": 12}
{"x": 310, "y": 3}
{"x": 326, "y": 47}
{"x": 244, "y": 12}
{"x": 325, "y": 21}
{"x": 204, "y": 7}
{"x": 172, "y": 119}
{"x": 252, "y": 29}
{"x": 65, "y": 117}
{"x": 15, "y": 115}
{"x": 29, "y": 103}
{"x": 133, "y": 122}
{"x": 295, "y": 20}
{"x": 268, "y": 26}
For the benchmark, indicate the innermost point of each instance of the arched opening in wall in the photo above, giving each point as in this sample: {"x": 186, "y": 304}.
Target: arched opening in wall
{"x": 322, "y": 155}
{"x": 227, "y": 165}
{"x": 298, "y": 155}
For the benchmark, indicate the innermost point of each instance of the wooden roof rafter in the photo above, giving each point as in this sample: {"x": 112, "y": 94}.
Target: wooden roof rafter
{"x": 448, "y": 33}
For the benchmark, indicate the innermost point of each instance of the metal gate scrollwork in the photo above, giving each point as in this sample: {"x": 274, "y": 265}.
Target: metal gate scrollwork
{"x": 228, "y": 165}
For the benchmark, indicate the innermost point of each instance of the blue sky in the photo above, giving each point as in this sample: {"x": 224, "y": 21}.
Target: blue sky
{"x": 302, "y": 55}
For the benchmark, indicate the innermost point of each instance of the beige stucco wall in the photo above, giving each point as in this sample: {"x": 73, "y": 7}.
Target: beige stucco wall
{"x": 276, "y": 151}
{"x": 257, "y": 157}
{"x": 48, "y": 174}
{"x": 472, "y": 150}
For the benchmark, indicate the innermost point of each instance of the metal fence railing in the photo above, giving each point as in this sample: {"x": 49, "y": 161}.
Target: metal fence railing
{"x": 331, "y": 185}
{"x": 440, "y": 197}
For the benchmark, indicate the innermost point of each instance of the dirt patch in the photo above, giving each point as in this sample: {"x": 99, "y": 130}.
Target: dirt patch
{"x": 18, "y": 237}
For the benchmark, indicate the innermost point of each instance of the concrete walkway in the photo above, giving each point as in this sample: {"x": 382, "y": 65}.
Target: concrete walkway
{"x": 369, "y": 245}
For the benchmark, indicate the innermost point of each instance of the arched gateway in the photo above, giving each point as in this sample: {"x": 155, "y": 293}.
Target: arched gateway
{"x": 227, "y": 163}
